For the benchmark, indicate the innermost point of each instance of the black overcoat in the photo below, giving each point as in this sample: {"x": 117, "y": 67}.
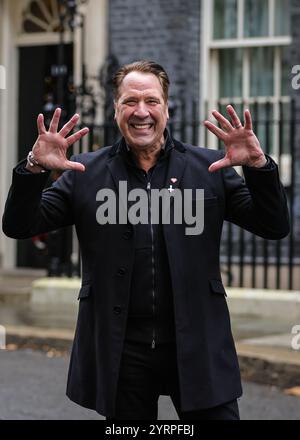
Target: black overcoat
{"x": 207, "y": 361}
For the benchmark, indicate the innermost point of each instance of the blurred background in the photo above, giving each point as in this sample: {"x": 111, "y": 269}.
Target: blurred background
{"x": 60, "y": 52}
{"x": 64, "y": 53}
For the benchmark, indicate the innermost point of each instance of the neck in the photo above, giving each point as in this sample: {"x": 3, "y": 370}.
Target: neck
{"x": 147, "y": 158}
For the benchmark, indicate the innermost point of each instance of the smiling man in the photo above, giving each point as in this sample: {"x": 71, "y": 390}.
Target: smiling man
{"x": 141, "y": 111}
{"x": 153, "y": 317}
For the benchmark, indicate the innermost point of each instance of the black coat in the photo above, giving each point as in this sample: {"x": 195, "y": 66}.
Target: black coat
{"x": 207, "y": 361}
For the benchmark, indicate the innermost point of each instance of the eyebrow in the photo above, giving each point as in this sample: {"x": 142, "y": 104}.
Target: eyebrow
{"x": 131, "y": 97}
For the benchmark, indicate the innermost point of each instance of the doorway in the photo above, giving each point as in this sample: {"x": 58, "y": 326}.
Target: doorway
{"x": 41, "y": 82}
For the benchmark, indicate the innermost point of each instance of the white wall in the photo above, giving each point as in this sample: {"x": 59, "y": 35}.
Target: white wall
{"x": 96, "y": 42}
{"x": 8, "y": 121}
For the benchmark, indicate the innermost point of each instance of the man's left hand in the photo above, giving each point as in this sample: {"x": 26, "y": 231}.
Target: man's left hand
{"x": 241, "y": 145}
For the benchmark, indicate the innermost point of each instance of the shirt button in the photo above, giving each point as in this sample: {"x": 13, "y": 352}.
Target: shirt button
{"x": 121, "y": 271}
{"x": 117, "y": 310}
{"x": 127, "y": 235}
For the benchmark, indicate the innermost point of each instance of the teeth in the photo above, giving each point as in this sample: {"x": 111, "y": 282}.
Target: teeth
{"x": 142, "y": 125}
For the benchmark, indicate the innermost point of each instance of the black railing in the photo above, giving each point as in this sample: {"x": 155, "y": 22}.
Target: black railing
{"x": 246, "y": 260}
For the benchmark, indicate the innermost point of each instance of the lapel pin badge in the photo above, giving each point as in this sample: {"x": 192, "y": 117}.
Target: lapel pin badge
{"x": 173, "y": 180}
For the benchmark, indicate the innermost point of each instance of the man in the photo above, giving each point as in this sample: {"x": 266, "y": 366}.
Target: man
{"x": 153, "y": 317}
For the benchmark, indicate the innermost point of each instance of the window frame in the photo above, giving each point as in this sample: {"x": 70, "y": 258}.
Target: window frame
{"x": 209, "y": 91}
{"x": 240, "y": 22}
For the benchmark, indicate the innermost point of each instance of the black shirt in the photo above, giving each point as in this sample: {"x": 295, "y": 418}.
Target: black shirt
{"x": 151, "y": 309}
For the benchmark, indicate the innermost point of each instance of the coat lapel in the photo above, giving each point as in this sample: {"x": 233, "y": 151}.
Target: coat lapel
{"x": 177, "y": 165}
{"x": 116, "y": 165}
{"x": 117, "y": 168}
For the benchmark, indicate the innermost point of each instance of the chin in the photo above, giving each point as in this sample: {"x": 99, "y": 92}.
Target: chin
{"x": 141, "y": 143}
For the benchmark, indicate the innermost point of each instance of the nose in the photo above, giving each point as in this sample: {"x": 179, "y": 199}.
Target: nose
{"x": 141, "y": 110}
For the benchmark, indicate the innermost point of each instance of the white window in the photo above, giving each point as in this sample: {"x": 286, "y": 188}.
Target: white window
{"x": 39, "y": 22}
{"x": 244, "y": 63}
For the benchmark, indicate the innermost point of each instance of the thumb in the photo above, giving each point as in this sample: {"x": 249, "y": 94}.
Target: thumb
{"x": 76, "y": 166}
{"x": 222, "y": 163}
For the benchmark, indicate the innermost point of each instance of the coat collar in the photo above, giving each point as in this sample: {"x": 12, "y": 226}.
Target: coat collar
{"x": 170, "y": 143}
{"x": 177, "y": 162}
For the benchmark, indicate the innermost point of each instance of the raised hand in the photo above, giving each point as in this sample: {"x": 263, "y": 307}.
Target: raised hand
{"x": 241, "y": 145}
{"x": 51, "y": 146}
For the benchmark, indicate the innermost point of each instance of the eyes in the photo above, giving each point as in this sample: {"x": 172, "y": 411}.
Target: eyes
{"x": 132, "y": 102}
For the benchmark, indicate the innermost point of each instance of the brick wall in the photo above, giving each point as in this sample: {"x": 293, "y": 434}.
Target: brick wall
{"x": 295, "y": 60}
{"x": 162, "y": 30}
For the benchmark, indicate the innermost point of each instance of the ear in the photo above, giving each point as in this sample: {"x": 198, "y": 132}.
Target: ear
{"x": 168, "y": 111}
{"x": 115, "y": 107}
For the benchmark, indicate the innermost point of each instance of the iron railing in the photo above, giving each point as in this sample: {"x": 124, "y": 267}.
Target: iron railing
{"x": 246, "y": 260}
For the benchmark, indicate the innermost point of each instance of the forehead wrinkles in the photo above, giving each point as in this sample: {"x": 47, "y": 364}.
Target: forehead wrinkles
{"x": 140, "y": 93}
{"x": 139, "y": 83}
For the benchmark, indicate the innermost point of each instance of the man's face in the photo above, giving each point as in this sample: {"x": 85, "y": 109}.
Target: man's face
{"x": 141, "y": 111}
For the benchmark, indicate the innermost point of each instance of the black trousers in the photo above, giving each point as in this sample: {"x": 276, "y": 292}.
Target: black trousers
{"x": 147, "y": 373}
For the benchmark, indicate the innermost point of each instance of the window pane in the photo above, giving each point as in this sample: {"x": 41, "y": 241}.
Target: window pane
{"x": 282, "y": 17}
{"x": 286, "y": 127}
{"x": 261, "y": 71}
{"x": 230, "y": 73}
{"x": 225, "y": 19}
{"x": 285, "y": 71}
{"x": 256, "y": 20}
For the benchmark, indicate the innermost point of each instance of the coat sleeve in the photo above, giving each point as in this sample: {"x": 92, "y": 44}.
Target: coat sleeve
{"x": 257, "y": 203}
{"x": 30, "y": 209}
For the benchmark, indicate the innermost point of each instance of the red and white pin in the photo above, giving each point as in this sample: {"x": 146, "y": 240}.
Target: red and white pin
{"x": 173, "y": 180}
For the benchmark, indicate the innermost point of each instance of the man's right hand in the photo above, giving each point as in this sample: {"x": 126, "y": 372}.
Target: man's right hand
{"x": 51, "y": 146}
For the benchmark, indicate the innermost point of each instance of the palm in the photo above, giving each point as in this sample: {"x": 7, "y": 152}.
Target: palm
{"x": 50, "y": 148}
{"x": 241, "y": 145}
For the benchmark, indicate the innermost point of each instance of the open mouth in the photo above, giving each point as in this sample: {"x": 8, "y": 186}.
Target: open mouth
{"x": 142, "y": 126}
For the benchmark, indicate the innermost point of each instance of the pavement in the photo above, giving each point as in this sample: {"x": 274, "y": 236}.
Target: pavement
{"x": 268, "y": 351}
{"x": 33, "y": 387}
